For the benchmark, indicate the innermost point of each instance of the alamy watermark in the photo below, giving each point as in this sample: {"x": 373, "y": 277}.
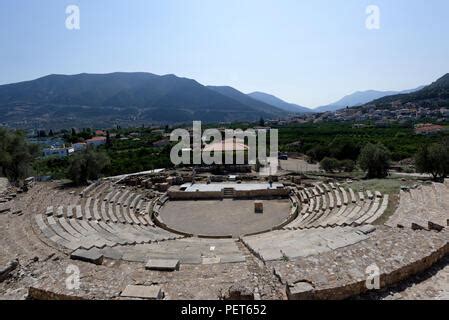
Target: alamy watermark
{"x": 72, "y": 282}
{"x": 227, "y": 146}
{"x": 73, "y": 19}
{"x": 372, "y": 21}
{"x": 372, "y": 277}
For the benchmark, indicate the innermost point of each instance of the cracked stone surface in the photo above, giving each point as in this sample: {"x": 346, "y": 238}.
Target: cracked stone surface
{"x": 391, "y": 250}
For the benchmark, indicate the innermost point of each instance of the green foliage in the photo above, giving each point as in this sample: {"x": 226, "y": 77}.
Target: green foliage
{"x": 347, "y": 165}
{"x": 318, "y": 153}
{"x": 87, "y": 165}
{"x": 329, "y": 164}
{"x": 127, "y": 154}
{"x": 332, "y": 164}
{"x": 343, "y": 141}
{"x": 433, "y": 159}
{"x": 16, "y": 155}
{"x": 375, "y": 160}
{"x": 53, "y": 166}
{"x": 135, "y": 155}
{"x": 74, "y": 137}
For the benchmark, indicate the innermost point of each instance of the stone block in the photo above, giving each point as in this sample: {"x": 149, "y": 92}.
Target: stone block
{"x": 162, "y": 264}
{"x": 296, "y": 180}
{"x": 91, "y": 256}
{"x": 211, "y": 260}
{"x": 162, "y": 187}
{"x": 367, "y": 229}
{"x": 301, "y": 290}
{"x": 258, "y": 206}
{"x": 49, "y": 211}
{"x": 143, "y": 292}
{"x": 6, "y": 271}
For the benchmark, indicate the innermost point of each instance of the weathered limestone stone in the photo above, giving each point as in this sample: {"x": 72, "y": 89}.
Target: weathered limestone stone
{"x": 162, "y": 187}
{"x": 6, "y": 271}
{"x": 36, "y": 293}
{"x": 366, "y": 229}
{"x": 92, "y": 256}
{"x": 239, "y": 292}
{"x": 112, "y": 253}
{"x": 435, "y": 226}
{"x": 60, "y": 212}
{"x": 162, "y": 264}
{"x": 143, "y": 292}
{"x": 49, "y": 211}
{"x": 211, "y": 260}
{"x": 296, "y": 180}
{"x": 302, "y": 288}
{"x": 4, "y": 210}
{"x": 258, "y": 206}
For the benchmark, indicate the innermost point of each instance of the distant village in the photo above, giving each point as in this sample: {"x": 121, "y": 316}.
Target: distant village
{"x": 427, "y": 121}
{"x": 430, "y": 120}
{"x": 59, "y": 150}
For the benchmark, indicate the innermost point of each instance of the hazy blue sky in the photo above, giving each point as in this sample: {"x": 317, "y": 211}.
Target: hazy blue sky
{"x": 306, "y": 52}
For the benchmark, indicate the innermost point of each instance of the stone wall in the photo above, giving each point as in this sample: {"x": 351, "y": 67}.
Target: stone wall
{"x": 238, "y": 194}
{"x": 261, "y": 193}
{"x": 181, "y": 195}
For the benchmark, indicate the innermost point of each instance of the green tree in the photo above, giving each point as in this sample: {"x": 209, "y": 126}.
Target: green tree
{"x": 433, "y": 159}
{"x": 87, "y": 165}
{"x": 347, "y": 165}
{"x": 318, "y": 153}
{"x": 343, "y": 148}
{"x": 108, "y": 140}
{"x": 375, "y": 160}
{"x": 329, "y": 164}
{"x": 16, "y": 155}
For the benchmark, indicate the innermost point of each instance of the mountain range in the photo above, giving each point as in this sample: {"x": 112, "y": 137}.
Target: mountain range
{"x": 101, "y": 100}
{"x": 281, "y": 104}
{"x": 434, "y": 95}
{"x": 126, "y": 97}
{"x": 360, "y": 98}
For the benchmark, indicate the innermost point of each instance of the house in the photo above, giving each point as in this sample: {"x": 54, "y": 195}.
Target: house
{"x": 100, "y": 133}
{"x": 444, "y": 112}
{"x": 96, "y": 141}
{"x": 79, "y": 146}
{"x": 58, "y": 152}
{"x": 428, "y": 128}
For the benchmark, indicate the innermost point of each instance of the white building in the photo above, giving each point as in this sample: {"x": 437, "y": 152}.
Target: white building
{"x": 58, "y": 152}
{"x": 79, "y": 146}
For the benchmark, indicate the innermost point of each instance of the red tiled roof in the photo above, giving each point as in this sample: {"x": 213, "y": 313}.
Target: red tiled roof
{"x": 429, "y": 128}
{"x": 96, "y": 139}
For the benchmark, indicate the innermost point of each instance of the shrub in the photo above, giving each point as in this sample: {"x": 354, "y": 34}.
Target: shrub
{"x": 329, "y": 164}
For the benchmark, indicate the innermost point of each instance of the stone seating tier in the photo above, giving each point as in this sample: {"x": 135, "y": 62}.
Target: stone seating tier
{"x": 339, "y": 207}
